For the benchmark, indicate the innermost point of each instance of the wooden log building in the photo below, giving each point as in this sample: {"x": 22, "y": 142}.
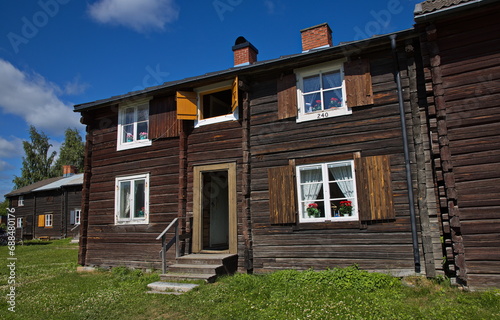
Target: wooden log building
{"x": 339, "y": 155}
{"x": 48, "y": 209}
{"x": 461, "y": 54}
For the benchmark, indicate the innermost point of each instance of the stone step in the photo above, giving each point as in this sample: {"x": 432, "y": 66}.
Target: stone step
{"x": 196, "y": 268}
{"x": 170, "y": 287}
{"x": 206, "y": 258}
{"x": 179, "y": 276}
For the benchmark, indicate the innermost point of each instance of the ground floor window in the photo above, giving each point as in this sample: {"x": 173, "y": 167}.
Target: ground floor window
{"x": 132, "y": 199}
{"x": 327, "y": 191}
{"x": 20, "y": 222}
{"x": 49, "y": 218}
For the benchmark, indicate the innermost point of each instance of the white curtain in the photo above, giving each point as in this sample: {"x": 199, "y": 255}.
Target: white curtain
{"x": 343, "y": 178}
{"x": 125, "y": 199}
{"x": 310, "y": 190}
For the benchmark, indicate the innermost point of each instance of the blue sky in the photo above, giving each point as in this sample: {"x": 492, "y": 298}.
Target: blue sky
{"x": 58, "y": 53}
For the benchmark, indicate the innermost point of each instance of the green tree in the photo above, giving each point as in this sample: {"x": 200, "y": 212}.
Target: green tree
{"x": 37, "y": 163}
{"x": 71, "y": 153}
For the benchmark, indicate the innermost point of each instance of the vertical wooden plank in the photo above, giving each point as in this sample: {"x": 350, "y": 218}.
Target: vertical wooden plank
{"x": 358, "y": 83}
{"x": 374, "y": 186}
{"x": 163, "y": 121}
{"x": 282, "y": 198}
{"x": 287, "y": 96}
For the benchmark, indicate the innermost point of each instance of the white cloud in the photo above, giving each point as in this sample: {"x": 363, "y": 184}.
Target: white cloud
{"x": 139, "y": 15}
{"x": 11, "y": 148}
{"x": 35, "y": 99}
{"x": 4, "y": 166}
{"x": 75, "y": 87}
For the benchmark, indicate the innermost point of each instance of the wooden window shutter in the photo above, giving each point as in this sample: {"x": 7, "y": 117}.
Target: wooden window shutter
{"x": 282, "y": 198}
{"x": 41, "y": 221}
{"x": 374, "y": 188}
{"x": 72, "y": 217}
{"x": 358, "y": 83}
{"x": 163, "y": 122}
{"x": 287, "y": 96}
{"x": 235, "y": 96}
{"x": 187, "y": 105}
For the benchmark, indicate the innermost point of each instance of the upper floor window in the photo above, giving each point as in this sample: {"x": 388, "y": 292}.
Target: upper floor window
{"x": 132, "y": 199}
{"x": 20, "y": 201}
{"x": 327, "y": 191}
{"x": 321, "y": 92}
{"x": 209, "y": 104}
{"x": 133, "y": 125}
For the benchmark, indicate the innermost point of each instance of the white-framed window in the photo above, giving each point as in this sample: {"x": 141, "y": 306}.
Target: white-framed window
{"x": 78, "y": 215}
{"x": 20, "y": 201}
{"x": 20, "y": 222}
{"x": 49, "y": 220}
{"x": 133, "y": 125}
{"x": 327, "y": 191}
{"x": 321, "y": 92}
{"x": 215, "y": 104}
{"x": 132, "y": 199}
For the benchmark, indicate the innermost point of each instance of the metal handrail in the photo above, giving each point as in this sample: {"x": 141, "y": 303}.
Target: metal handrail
{"x": 165, "y": 246}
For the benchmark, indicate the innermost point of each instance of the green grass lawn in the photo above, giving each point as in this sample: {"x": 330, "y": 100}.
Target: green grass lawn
{"x": 48, "y": 287}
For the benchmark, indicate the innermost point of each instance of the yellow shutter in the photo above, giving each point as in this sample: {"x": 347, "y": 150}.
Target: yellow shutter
{"x": 187, "y": 105}
{"x": 235, "y": 96}
{"x": 41, "y": 221}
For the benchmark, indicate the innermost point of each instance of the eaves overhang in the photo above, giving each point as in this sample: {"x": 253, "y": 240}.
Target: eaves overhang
{"x": 346, "y": 49}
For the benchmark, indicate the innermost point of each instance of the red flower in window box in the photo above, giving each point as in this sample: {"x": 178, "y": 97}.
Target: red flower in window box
{"x": 345, "y": 208}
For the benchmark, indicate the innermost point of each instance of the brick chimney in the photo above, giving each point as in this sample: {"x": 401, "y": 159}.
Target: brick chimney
{"x": 68, "y": 170}
{"x": 244, "y": 52}
{"x": 319, "y": 36}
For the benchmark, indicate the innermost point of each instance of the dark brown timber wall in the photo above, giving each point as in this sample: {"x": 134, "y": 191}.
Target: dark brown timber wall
{"x": 462, "y": 59}
{"x": 372, "y": 130}
{"x": 108, "y": 244}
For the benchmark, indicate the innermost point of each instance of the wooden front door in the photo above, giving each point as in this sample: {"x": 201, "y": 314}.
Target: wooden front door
{"x": 214, "y": 221}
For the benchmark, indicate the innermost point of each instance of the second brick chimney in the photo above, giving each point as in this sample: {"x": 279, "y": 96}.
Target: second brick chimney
{"x": 244, "y": 52}
{"x": 68, "y": 170}
{"x": 319, "y": 36}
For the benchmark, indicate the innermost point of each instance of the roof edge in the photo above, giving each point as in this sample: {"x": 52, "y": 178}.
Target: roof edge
{"x": 346, "y": 47}
{"x": 431, "y": 16}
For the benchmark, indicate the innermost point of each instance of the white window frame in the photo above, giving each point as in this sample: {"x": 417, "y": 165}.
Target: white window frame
{"x": 78, "y": 215}
{"x": 319, "y": 70}
{"x": 201, "y": 91}
{"x": 20, "y": 222}
{"x": 131, "y": 220}
{"x": 329, "y": 216}
{"x": 136, "y": 143}
{"x": 20, "y": 201}
{"x": 49, "y": 220}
